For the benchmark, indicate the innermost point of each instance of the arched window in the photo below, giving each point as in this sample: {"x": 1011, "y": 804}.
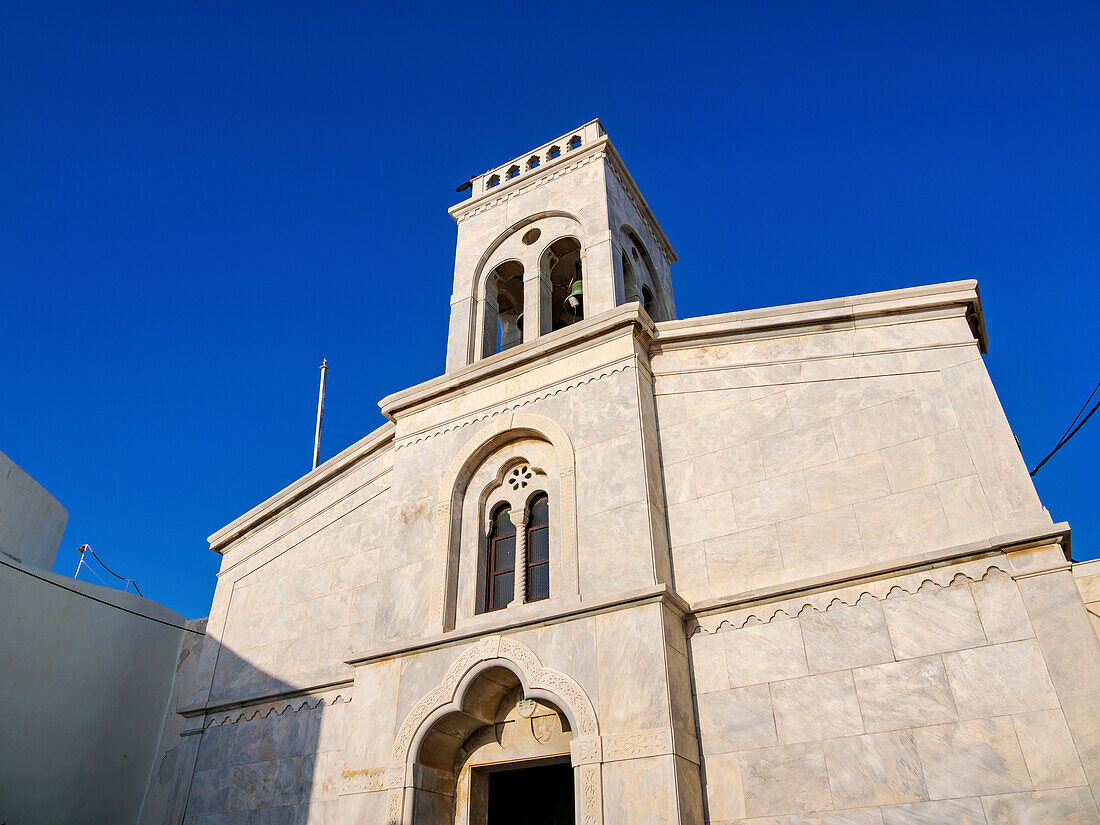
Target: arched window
{"x": 648, "y": 280}
{"x": 533, "y": 162}
{"x": 555, "y": 152}
{"x": 503, "y": 308}
{"x": 562, "y": 269}
{"x": 501, "y": 568}
{"x": 574, "y": 142}
{"x": 538, "y": 549}
{"x": 493, "y": 181}
{"x": 513, "y": 172}
{"x": 630, "y": 284}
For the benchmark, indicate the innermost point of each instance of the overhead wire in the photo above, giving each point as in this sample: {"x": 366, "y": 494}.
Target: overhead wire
{"x": 1071, "y": 430}
{"x": 88, "y": 547}
{"x": 90, "y": 597}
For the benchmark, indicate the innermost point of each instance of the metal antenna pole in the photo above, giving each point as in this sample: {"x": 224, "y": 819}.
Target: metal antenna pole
{"x": 320, "y": 414}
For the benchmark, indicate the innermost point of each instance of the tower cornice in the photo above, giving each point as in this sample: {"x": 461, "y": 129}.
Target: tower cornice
{"x": 597, "y": 146}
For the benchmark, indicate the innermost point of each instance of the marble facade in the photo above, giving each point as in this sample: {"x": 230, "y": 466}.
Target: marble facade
{"x": 798, "y": 571}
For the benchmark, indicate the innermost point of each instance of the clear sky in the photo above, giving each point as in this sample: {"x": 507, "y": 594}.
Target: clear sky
{"x": 200, "y": 201}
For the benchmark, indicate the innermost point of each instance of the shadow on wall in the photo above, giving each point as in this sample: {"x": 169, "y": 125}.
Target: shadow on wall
{"x": 246, "y": 761}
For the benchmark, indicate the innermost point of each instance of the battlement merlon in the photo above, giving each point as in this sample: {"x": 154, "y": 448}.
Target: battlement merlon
{"x": 519, "y": 172}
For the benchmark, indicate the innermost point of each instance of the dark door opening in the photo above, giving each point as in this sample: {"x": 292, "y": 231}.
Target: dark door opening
{"x": 532, "y": 796}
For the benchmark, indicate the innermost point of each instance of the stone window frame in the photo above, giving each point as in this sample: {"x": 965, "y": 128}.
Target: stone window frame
{"x": 518, "y": 500}
{"x": 447, "y": 532}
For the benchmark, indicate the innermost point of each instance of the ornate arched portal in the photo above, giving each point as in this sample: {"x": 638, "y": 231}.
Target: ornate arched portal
{"x": 469, "y": 697}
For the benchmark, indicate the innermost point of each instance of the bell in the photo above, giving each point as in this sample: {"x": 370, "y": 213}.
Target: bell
{"x": 576, "y": 297}
{"x": 519, "y": 322}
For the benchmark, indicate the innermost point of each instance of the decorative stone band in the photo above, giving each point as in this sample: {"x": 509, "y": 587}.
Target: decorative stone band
{"x": 511, "y": 193}
{"x": 519, "y": 402}
{"x": 591, "y": 782}
{"x": 586, "y": 751}
{"x": 278, "y": 708}
{"x": 637, "y": 745}
{"x": 397, "y": 776}
{"x": 1040, "y": 551}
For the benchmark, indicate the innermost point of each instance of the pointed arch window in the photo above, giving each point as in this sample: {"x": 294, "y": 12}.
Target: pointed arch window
{"x": 538, "y": 549}
{"x": 502, "y": 561}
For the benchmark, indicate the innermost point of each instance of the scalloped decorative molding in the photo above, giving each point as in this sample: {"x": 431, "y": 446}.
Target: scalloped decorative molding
{"x": 274, "y": 709}
{"x": 906, "y": 585}
{"x": 493, "y": 412}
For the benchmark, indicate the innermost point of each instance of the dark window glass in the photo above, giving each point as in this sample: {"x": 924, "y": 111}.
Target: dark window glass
{"x": 538, "y": 550}
{"x": 538, "y": 545}
{"x": 502, "y": 523}
{"x": 502, "y": 560}
{"x": 540, "y": 512}
{"x": 502, "y": 589}
{"x": 538, "y": 582}
{"x": 505, "y": 556}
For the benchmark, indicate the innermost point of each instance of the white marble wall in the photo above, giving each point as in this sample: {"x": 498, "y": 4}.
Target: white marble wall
{"x": 299, "y": 595}
{"x": 918, "y": 702}
{"x": 795, "y": 456}
{"x": 282, "y": 766}
{"x": 1086, "y": 575}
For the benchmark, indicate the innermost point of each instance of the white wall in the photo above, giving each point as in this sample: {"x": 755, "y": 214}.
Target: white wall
{"x": 83, "y": 690}
{"x": 31, "y": 520}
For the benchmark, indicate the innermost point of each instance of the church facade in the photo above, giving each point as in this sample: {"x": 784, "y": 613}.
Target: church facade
{"x": 614, "y": 567}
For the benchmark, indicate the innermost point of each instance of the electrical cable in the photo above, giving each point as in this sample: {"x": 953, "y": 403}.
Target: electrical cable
{"x": 1074, "y": 421}
{"x": 112, "y": 572}
{"x": 101, "y": 601}
{"x": 1071, "y": 431}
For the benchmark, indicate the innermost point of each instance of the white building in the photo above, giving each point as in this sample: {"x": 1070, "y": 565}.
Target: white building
{"x": 776, "y": 566}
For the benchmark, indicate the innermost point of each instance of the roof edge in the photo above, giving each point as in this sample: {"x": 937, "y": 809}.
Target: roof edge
{"x": 290, "y": 494}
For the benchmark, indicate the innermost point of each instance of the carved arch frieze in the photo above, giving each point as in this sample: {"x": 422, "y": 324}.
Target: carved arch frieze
{"x": 538, "y": 682}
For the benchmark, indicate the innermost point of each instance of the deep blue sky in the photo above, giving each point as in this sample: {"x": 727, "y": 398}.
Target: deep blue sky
{"x": 200, "y": 201}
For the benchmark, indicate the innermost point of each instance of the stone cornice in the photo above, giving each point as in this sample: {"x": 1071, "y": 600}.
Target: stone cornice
{"x": 522, "y": 620}
{"x": 625, "y": 179}
{"x": 377, "y": 441}
{"x": 275, "y": 698}
{"x": 518, "y": 360}
{"x": 492, "y": 411}
{"x": 603, "y": 148}
{"x": 833, "y": 313}
{"x": 511, "y": 189}
{"x": 1013, "y": 543}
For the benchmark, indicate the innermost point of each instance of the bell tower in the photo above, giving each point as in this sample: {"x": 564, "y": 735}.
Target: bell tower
{"x": 549, "y": 239}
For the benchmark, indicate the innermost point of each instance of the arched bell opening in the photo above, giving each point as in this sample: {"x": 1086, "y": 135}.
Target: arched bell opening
{"x": 501, "y": 750}
{"x": 561, "y": 269}
{"x": 503, "y": 326}
{"x": 641, "y": 281}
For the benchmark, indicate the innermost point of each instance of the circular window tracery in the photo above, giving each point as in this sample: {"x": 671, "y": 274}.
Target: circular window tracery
{"x": 520, "y": 476}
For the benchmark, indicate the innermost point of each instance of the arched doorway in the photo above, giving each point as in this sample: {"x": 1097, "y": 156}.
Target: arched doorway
{"x": 500, "y": 728}
{"x": 511, "y": 765}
